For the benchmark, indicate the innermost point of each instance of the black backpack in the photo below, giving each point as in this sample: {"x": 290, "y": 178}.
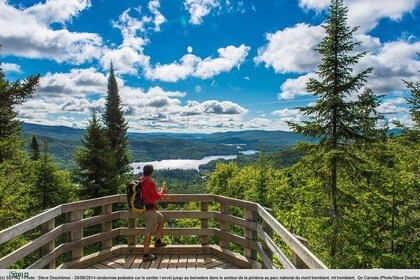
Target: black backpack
{"x": 134, "y": 197}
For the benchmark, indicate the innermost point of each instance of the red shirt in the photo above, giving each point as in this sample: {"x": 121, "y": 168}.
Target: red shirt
{"x": 149, "y": 192}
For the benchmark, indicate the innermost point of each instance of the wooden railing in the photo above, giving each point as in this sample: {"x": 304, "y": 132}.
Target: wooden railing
{"x": 257, "y": 241}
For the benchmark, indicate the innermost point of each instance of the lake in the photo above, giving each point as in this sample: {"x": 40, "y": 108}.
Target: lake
{"x": 186, "y": 163}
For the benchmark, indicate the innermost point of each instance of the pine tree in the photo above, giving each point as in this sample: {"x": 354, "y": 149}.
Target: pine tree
{"x": 335, "y": 120}
{"x": 412, "y": 133}
{"x": 96, "y": 163}
{"x": 52, "y": 186}
{"x": 11, "y": 95}
{"x": 116, "y": 127}
{"x": 35, "y": 148}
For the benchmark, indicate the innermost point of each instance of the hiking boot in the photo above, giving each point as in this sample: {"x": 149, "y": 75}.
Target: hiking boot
{"x": 149, "y": 257}
{"x": 160, "y": 244}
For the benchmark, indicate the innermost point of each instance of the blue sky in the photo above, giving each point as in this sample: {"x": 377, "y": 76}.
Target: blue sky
{"x": 196, "y": 65}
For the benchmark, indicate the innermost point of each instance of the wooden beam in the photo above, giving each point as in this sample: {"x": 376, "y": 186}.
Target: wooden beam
{"x": 267, "y": 231}
{"x": 94, "y": 258}
{"x": 236, "y": 202}
{"x": 86, "y": 241}
{"x": 266, "y": 259}
{"x": 167, "y": 250}
{"x": 91, "y": 203}
{"x": 224, "y": 226}
{"x": 76, "y": 234}
{"x": 107, "y": 225}
{"x": 238, "y": 240}
{"x": 91, "y": 221}
{"x": 307, "y": 256}
{"x": 299, "y": 263}
{"x": 252, "y": 217}
{"x": 48, "y": 258}
{"x": 204, "y": 207}
{"x": 252, "y": 225}
{"x": 272, "y": 247}
{"x": 169, "y": 231}
{"x": 45, "y": 228}
{"x": 30, "y": 247}
{"x": 24, "y": 226}
{"x": 132, "y": 238}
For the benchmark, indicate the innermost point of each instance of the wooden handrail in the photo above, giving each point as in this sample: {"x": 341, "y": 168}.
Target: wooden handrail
{"x": 250, "y": 223}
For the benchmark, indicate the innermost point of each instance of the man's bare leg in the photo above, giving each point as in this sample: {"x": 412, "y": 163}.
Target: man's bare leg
{"x": 147, "y": 238}
{"x": 159, "y": 229}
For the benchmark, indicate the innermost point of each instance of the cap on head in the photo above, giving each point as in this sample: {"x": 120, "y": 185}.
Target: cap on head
{"x": 147, "y": 170}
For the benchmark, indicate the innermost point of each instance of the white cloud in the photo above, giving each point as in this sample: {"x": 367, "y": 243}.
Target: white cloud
{"x": 291, "y": 49}
{"x": 199, "y": 9}
{"x": 389, "y": 107}
{"x": 11, "y": 68}
{"x": 158, "y": 19}
{"x": 257, "y": 123}
{"x": 295, "y": 87}
{"x": 317, "y": 5}
{"x": 27, "y": 32}
{"x": 229, "y": 58}
{"x": 367, "y": 15}
{"x": 192, "y": 65}
{"x": 175, "y": 71}
{"x": 58, "y": 11}
{"x": 76, "y": 83}
{"x": 392, "y": 62}
{"x": 129, "y": 56}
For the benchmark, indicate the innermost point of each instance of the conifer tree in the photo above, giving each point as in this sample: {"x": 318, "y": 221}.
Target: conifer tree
{"x": 35, "y": 148}
{"x": 116, "y": 127}
{"x": 52, "y": 186}
{"x": 11, "y": 95}
{"x": 337, "y": 121}
{"x": 96, "y": 163}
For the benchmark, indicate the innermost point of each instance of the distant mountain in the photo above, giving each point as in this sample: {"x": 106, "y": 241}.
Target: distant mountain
{"x": 157, "y": 146}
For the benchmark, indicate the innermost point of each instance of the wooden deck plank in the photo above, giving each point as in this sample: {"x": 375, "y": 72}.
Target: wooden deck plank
{"x": 120, "y": 260}
{"x": 183, "y": 260}
{"x": 137, "y": 262}
{"x": 112, "y": 264}
{"x": 213, "y": 264}
{"x": 101, "y": 266}
{"x": 129, "y": 261}
{"x": 164, "y": 261}
{"x": 173, "y": 263}
{"x": 200, "y": 261}
{"x": 155, "y": 264}
{"x": 192, "y": 260}
{"x": 145, "y": 264}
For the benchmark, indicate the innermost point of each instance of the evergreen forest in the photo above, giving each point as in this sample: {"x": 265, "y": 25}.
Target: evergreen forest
{"x": 351, "y": 188}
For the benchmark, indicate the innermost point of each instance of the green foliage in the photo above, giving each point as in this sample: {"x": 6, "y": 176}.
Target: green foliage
{"x": 51, "y": 186}
{"x": 335, "y": 120}
{"x": 95, "y": 172}
{"x": 11, "y": 95}
{"x": 35, "y": 153}
{"x": 116, "y": 127}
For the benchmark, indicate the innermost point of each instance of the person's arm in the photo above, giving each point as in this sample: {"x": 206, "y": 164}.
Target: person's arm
{"x": 154, "y": 193}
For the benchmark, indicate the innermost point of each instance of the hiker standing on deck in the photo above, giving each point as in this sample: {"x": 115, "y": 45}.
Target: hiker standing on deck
{"x": 154, "y": 220}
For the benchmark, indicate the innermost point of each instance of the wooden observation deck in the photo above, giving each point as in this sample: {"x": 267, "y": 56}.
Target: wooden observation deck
{"x": 62, "y": 237}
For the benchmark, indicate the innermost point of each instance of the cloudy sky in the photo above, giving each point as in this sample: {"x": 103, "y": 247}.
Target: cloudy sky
{"x": 196, "y": 65}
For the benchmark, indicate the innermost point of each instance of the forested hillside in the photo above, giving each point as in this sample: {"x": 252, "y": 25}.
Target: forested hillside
{"x": 341, "y": 179}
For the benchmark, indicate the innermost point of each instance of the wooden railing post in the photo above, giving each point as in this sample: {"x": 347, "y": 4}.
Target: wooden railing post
{"x": 224, "y": 226}
{"x": 76, "y": 234}
{"x": 269, "y": 231}
{"x": 204, "y": 223}
{"x": 297, "y": 261}
{"x": 106, "y": 226}
{"x": 251, "y": 216}
{"x": 46, "y": 227}
{"x": 132, "y": 239}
